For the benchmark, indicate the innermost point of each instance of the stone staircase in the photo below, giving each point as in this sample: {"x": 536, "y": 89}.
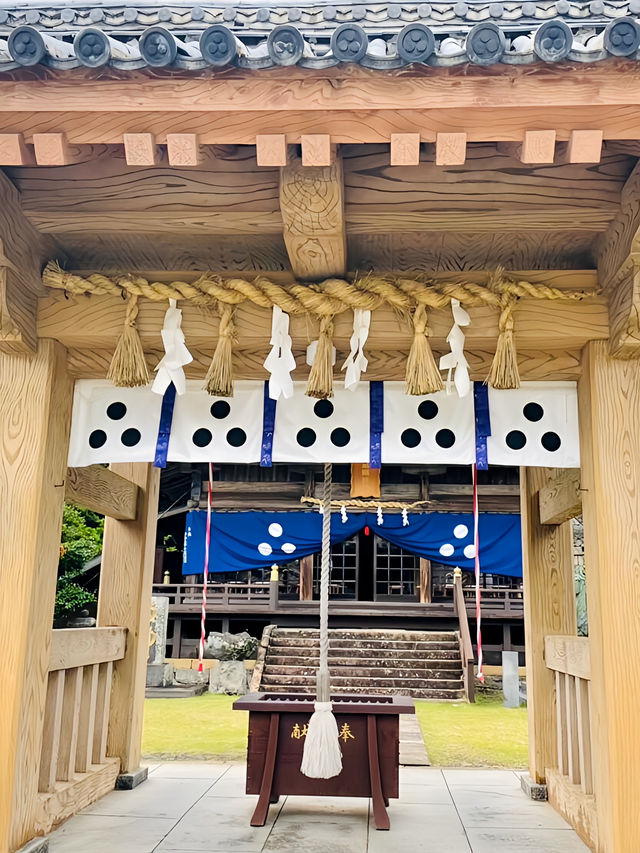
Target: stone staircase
{"x": 422, "y": 664}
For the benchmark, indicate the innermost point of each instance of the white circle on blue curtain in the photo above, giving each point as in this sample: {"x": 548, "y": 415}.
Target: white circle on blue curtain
{"x": 447, "y": 550}
{"x": 460, "y": 531}
{"x": 469, "y": 551}
{"x": 265, "y": 549}
{"x": 288, "y": 547}
{"x": 275, "y": 529}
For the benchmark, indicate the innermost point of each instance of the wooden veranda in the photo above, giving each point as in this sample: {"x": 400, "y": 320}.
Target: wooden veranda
{"x": 303, "y": 173}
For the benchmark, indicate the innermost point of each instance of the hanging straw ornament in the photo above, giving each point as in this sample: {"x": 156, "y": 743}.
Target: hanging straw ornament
{"x": 380, "y": 516}
{"x": 280, "y": 361}
{"x": 320, "y": 384}
{"x": 343, "y": 514}
{"x": 171, "y": 367}
{"x": 357, "y": 362}
{"x": 455, "y": 361}
{"x": 219, "y": 379}
{"x": 128, "y": 368}
{"x": 423, "y": 376}
{"x": 504, "y": 372}
{"x": 405, "y": 517}
{"x": 322, "y": 757}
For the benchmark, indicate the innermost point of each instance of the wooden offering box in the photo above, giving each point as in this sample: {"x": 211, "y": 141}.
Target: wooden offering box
{"x": 368, "y": 729}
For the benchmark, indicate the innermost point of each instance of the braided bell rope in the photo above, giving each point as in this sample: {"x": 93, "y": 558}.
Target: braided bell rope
{"x": 323, "y": 689}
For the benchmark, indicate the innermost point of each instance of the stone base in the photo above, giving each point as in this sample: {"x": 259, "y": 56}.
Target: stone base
{"x": 533, "y": 790}
{"x": 177, "y": 691}
{"x": 231, "y": 677}
{"x": 36, "y": 845}
{"x": 129, "y": 781}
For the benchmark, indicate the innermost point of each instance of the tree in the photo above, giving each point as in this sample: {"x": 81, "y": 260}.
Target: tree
{"x": 82, "y": 532}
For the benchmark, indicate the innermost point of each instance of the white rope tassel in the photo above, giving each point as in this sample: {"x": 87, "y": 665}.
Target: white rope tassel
{"x": 322, "y": 757}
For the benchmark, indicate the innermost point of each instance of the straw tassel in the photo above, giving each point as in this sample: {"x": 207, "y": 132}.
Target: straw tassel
{"x": 219, "y": 378}
{"x": 322, "y": 756}
{"x": 128, "y": 368}
{"x": 504, "y": 372}
{"x": 423, "y": 376}
{"x": 320, "y": 384}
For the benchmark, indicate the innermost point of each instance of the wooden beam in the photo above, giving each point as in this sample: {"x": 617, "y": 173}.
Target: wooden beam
{"x": 53, "y": 149}
{"x": 569, "y": 655}
{"x": 577, "y": 808}
{"x": 608, "y": 402}
{"x": 312, "y": 206}
{"x": 183, "y": 149}
{"x": 561, "y": 498}
{"x": 102, "y": 491}
{"x": 585, "y": 146}
{"x": 389, "y": 364}
{"x": 21, "y": 250}
{"x": 72, "y": 648}
{"x": 14, "y": 150}
{"x": 405, "y": 149}
{"x": 538, "y": 146}
{"x": 140, "y": 149}
{"x": 35, "y": 413}
{"x": 359, "y": 90}
{"x": 125, "y": 599}
{"x": 618, "y": 254}
{"x": 95, "y": 322}
{"x": 451, "y": 149}
{"x": 549, "y": 608}
{"x": 317, "y": 149}
{"x": 271, "y": 149}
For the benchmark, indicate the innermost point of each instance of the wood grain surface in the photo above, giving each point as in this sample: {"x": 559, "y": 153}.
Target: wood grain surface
{"x": 549, "y": 608}
{"x": 609, "y": 403}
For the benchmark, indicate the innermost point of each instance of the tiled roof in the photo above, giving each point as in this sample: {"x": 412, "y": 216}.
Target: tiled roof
{"x": 255, "y": 36}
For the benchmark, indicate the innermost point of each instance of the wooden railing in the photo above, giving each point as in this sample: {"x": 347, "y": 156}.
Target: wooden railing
{"x": 74, "y": 767}
{"x": 221, "y": 596}
{"x": 570, "y": 783}
{"x": 466, "y": 646}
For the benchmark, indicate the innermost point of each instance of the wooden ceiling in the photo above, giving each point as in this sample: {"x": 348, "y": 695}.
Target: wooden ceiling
{"x": 228, "y": 214}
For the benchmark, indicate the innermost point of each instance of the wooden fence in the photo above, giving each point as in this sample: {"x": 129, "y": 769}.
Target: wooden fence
{"x": 570, "y": 783}
{"x": 74, "y": 767}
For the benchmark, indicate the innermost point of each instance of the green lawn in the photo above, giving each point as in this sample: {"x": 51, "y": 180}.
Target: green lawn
{"x": 483, "y": 734}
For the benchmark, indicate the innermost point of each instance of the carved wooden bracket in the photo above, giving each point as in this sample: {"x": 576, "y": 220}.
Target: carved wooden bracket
{"x": 312, "y": 206}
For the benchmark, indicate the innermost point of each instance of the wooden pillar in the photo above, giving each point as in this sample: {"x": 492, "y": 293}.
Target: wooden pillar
{"x": 125, "y": 599}
{"x": 609, "y": 405}
{"x": 425, "y": 581}
{"x": 306, "y": 578}
{"x": 549, "y": 608}
{"x": 35, "y": 413}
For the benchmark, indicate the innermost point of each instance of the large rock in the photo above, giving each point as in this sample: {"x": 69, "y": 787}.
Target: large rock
{"x": 231, "y": 677}
{"x": 226, "y": 646}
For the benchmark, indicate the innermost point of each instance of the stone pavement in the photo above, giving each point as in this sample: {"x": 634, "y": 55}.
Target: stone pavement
{"x": 202, "y": 808}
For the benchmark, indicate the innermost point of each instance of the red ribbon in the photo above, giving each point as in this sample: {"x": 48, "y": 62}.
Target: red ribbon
{"x": 476, "y": 543}
{"x": 207, "y": 543}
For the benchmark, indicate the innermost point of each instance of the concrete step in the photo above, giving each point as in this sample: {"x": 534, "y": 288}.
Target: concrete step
{"x": 373, "y": 673}
{"x": 436, "y": 694}
{"x": 284, "y": 682}
{"x": 363, "y": 633}
{"x": 440, "y": 662}
{"x": 367, "y": 644}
